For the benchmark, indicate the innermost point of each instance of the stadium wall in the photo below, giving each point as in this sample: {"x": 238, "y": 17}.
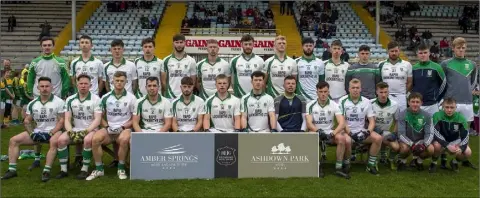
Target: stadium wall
{"x": 82, "y": 17}
{"x": 369, "y": 22}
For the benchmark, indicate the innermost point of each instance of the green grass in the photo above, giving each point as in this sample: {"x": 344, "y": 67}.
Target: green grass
{"x": 411, "y": 183}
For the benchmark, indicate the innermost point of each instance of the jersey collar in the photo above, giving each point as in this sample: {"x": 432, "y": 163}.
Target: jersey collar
{"x": 326, "y": 104}
{"x": 87, "y": 98}
{"x": 253, "y": 95}
{"x": 48, "y": 57}
{"x": 91, "y": 58}
{"x": 424, "y": 63}
{"x": 216, "y": 61}
{"x": 173, "y": 56}
{"x": 284, "y": 59}
{"x": 49, "y": 99}
{"x": 251, "y": 56}
{"x": 154, "y": 59}
{"x": 228, "y": 96}
{"x": 159, "y": 99}
{"x": 124, "y": 93}
{"x": 192, "y": 98}
{"x": 331, "y": 61}
{"x": 399, "y": 61}
{"x": 378, "y": 102}
{"x": 308, "y": 59}
{"x": 359, "y": 99}
{"x": 449, "y": 117}
{"x": 121, "y": 63}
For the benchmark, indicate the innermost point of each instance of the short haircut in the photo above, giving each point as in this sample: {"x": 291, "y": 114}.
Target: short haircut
{"x": 7, "y": 60}
{"x": 459, "y": 41}
{"x": 148, "y": 40}
{"x": 187, "y": 80}
{"x": 117, "y": 42}
{"x": 44, "y": 78}
{"x": 212, "y": 41}
{"x": 415, "y": 95}
{"x": 153, "y": 78}
{"x": 391, "y": 45}
{"x": 120, "y": 74}
{"x": 381, "y": 85}
{"x": 449, "y": 100}
{"x": 355, "y": 81}
{"x": 221, "y": 77}
{"x": 178, "y": 37}
{"x": 280, "y": 37}
{"x": 246, "y": 37}
{"x": 84, "y": 76}
{"x": 364, "y": 48}
{"x": 289, "y": 78}
{"x": 47, "y": 38}
{"x": 322, "y": 84}
{"x": 336, "y": 43}
{"x": 422, "y": 47}
{"x": 307, "y": 40}
{"x": 257, "y": 74}
{"x": 86, "y": 37}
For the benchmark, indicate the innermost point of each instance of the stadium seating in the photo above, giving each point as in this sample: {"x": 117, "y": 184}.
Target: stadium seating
{"x": 350, "y": 30}
{"x": 21, "y": 45}
{"x": 441, "y": 21}
{"x": 105, "y": 26}
{"x": 223, "y": 29}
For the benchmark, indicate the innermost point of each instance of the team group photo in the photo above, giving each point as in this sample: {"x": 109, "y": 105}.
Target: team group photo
{"x": 93, "y": 111}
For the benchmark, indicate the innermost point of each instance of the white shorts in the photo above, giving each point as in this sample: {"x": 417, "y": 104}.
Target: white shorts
{"x": 9, "y": 101}
{"x": 401, "y": 100}
{"x": 466, "y": 110}
{"x": 2, "y": 105}
{"x": 17, "y": 103}
{"x": 430, "y": 109}
{"x": 213, "y": 130}
{"x": 150, "y": 131}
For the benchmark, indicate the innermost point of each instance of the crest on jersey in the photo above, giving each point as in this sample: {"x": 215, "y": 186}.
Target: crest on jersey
{"x": 193, "y": 109}
{"x": 118, "y": 104}
{"x": 81, "y": 108}
{"x": 388, "y": 114}
{"x": 185, "y": 66}
{"x": 354, "y": 110}
{"x": 363, "y": 108}
{"x": 255, "y": 65}
{"x": 288, "y": 67}
{"x": 160, "y": 111}
{"x": 265, "y": 104}
{"x": 88, "y": 108}
{"x": 219, "y": 69}
{"x": 429, "y": 73}
{"x": 420, "y": 120}
{"x": 329, "y": 112}
{"x": 455, "y": 127}
{"x": 467, "y": 66}
{"x": 51, "y": 110}
{"x": 281, "y": 68}
{"x": 343, "y": 71}
{"x": 154, "y": 69}
{"x": 91, "y": 69}
{"x": 229, "y": 106}
{"x": 401, "y": 69}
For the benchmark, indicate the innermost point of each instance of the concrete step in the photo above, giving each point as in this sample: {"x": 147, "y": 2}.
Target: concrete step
{"x": 33, "y": 12}
{"x": 35, "y": 20}
{"x": 21, "y": 48}
{"x": 21, "y": 33}
{"x": 29, "y": 29}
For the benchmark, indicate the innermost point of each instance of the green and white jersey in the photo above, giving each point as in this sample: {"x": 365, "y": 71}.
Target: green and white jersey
{"x": 309, "y": 73}
{"x": 55, "y": 68}
{"x": 335, "y": 76}
{"x": 93, "y": 67}
{"x": 222, "y": 112}
{"x": 356, "y": 113}
{"x": 395, "y": 75}
{"x": 46, "y": 114}
{"x": 118, "y": 111}
{"x": 277, "y": 71}
{"x": 207, "y": 74}
{"x": 257, "y": 109}
{"x": 385, "y": 116}
{"x": 242, "y": 68}
{"x": 83, "y": 111}
{"x": 126, "y": 66}
{"x": 324, "y": 117}
{"x": 187, "y": 114}
{"x": 147, "y": 69}
{"x": 176, "y": 69}
{"x": 152, "y": 115}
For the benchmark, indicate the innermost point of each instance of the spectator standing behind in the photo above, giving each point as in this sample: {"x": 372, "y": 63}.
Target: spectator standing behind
{"x": 282, "y": 7}
{"x": 434, "y": 52}
{"x": 290, "y": 7}
{"x": 269, "y": 13}
{"x": 443, "y": 46}
{"x": 12, "y": 22}
{"x": 45, "y": 30}
{"x": 153, "y": 23}
{"x": 326, "y": 54}
{"x": 220, "y": 8}
{"x": 144, "y": 22}
{"x": 344, "y": 57}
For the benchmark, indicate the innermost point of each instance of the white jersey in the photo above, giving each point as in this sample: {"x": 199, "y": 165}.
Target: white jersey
{"x": 257, "y": 109}
{"x": 126, "y": 66}
{"x": 187, "y": 114}
{"x": 277, "y": 71}
{"x": 335, "y": 77}
{"x": 93, "y": 67}
{"x": 207, "y": 74}
{"x": 83, "y": 111}
{"x": 222, "y": 112}
{"x": 385, "y": 116}
{"x": 152, "y": 115}
{"x": 356, "y": 113}
{"x": 395, "y": 75}
{"x": 118, "y": 111}
{"x": 147, "y": 69}
{"x": 324, "y": 117}
{"x": 309, "y": 72}
{"x": 242, "y": 69}
{"x": 176, "y": 69}
{"x": 45, "y": 115}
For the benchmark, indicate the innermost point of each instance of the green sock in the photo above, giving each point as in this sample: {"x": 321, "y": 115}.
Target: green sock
{"x": 47, "y": 168}
{"x": 99, "y": 166}
{"x": 383, "y": 153}
{"x": 62, "y": 154}
{"x": 338, "y": 165}
{"x": 37, "y": 156}
{"x": 346, "y": 161}
{"x": 443, "y": 157}
{"x": 87, "y": 156}
{"x": 372, "y": 160}
{"x": 434, "y": 160}
{"x": 392, "y": 155}
{"x": 455, "y": 161}
{"x": 12, "y": 166}
{"x": 121, "y": 165}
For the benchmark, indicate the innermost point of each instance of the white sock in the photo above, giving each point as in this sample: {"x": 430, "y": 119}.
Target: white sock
{"x": 419, "y": 160}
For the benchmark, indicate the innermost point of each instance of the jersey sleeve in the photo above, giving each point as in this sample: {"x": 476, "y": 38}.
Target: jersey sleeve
{"x": 228, "y": 69}
{"x": 134, "y": 72}
{"x": 72, "y": 69}
{"x": 294, "y": 68}
{"x": 168, "y": 110}
{"x": 97, "y": 108}
{"x": 236, "y": 110}
{"x": 193, "y": 68}
{"x": 271, "y": 105}
{"x": 100, "y": 72}
{"x": 135, "y": 107}
{"x": 409, "y": 70}
{"x": 402, "y": 129}
{"x": 464, "y": 137}
{"x": 201, "y": 109}
{"x": 428, "y": 137}
{"x": 436, "y": 129}
{"x": 336, "y": 110}
{"x": 370, "y": 112}
{"x": 60, "y": 107}
{"x": 243, "y": 104}
{"x": 131, "y": 106}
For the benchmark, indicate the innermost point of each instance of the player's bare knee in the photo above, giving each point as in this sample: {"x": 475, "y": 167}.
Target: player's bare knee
{"x": 376, "y": 138}
{"x": 467, "y": 153}
{"x": 340, "y": 139}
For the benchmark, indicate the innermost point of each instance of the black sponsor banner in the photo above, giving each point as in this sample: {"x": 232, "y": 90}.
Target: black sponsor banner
{"x": 226, "y": 155}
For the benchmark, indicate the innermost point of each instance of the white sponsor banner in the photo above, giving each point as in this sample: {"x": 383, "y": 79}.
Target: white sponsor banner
{"x": 228, "y": 45}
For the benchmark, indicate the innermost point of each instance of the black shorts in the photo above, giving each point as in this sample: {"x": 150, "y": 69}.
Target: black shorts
{"x": 8, "y": 110}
